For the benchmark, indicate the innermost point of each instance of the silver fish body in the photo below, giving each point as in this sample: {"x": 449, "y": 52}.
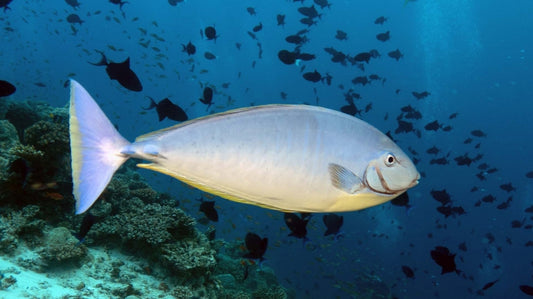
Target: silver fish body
{"x": 283, "y": 157}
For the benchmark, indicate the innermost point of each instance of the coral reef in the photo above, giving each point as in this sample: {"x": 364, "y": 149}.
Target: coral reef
{"x": 49, "y": 137}
{"x": 8, "y": 139}
{"x": 61, "y": 246}
{"x": 141, "y": 245}
{"x": 19, "y": 225}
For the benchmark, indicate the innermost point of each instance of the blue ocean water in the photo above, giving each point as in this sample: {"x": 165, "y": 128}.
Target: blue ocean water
{"x": 473, "y": 57}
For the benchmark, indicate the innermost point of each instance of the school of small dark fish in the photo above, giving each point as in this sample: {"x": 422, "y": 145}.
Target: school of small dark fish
{"x": 295, "y": 52}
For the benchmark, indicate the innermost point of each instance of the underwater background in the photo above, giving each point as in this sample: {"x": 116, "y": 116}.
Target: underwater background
{"x": 149, "y": 239}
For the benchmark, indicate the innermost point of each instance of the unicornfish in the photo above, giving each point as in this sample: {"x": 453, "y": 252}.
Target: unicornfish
{"x": 291, "y": 158}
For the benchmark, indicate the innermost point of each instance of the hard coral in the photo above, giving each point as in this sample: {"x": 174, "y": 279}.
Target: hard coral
{"x": 61, "y": 246}
{"x": 152, "y": 224}
{"x": 50, "y": 137}
{"x": 16, "y": 224}
{"x": 21, "y": 115}
{"x": 8, "y": 139}
{"x": 193, "y": 256}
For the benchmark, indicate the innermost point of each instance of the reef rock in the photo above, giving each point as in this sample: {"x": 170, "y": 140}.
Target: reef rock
{"x": 61, "y": 246}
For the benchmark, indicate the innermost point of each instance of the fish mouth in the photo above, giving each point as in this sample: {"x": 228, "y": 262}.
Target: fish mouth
{"x": 386, "y": 187}
{"x": 414, "y": 182}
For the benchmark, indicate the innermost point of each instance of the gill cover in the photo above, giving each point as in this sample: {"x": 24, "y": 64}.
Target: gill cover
{"x": 391, "y": 173}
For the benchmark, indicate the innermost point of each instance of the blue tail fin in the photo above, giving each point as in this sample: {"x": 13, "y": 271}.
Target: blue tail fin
{"x": 95, "y": 146}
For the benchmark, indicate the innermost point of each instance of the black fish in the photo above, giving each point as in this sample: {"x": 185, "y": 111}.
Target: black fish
{"x": 312, "y": 76}
{"x": 488, "y": 198}
{"x": 351, "y": 109}
{"x": 504, "y": 205}
{"x": 442, "y": 256}
{"x": 528, "y": 290}
{"x": 409, "y": 273}
{"x": 4, "y": 3}
{"x": 374, "y": 77}
{"x": 337, "y": 56}
{"x": 309, "y": 12}
{"x": 258, "y": 27}
{"x": 74, "y": 18}
{"x": 441, "y": 196}
{"x": 322, "y": 3}
{"x": 174, "y": 2}
{"x": 210, "y": 33}
{"x": 305, "y": 56}
{"x": 208, "y": 97}
{"x": 120, "y": 3}
{"x": 281, "y": 20}
{"x": 21, "y": 170}
{"x": 413, "y": 114}
{"x": 507, "y": 187}
{"x": 450, "y": 211}
{"x": 396, "y": 54}
{"x": 296, "y": 39}
{"x": 464, "y": 160}
{"x": 420, "y": 95}
{"x": 363, "y": 80}
{"x": 433, "y": 126}
{"x": 517, "y": 223}
{"x": 208, "y": 208}
{"x": 402, "y": 201}
{"x": 333, "y": 223}
{"x": 165, "y": 108}
{"x": 73, "y": 3}
{"x": 478, "y": 133}
{"x": 385, "y": 36}
{"x": 190, "y": 49}
{"x": 433, "y": 150}
{"x": 529, "y": 175}
{"x": 86, "y": 224}
{"x": 364, "y": 56}
{"x": 6, "y": 88}
{"x": 404, "y": 127}
{"x": 374, "y": 53}
{"x": 341, "y": 35}
{"x": 287, "y": 57}
{"x": 439, "y": 161}
{"x": 308, "y": 21}
{"x": 256, "y": 246}
{"x": 251, "y": 11}
{"x": 252, "y": 35}
{"x": 380, "y": 20}
{"x": 209, "y": 55}
{"x": 121, "y": 72}
{"x": 297, "y": 225}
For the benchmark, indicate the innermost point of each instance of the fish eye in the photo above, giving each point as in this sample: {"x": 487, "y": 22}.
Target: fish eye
{"x": 390, "y": 160}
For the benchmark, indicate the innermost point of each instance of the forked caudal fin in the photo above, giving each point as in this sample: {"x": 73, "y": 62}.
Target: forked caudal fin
{"x": 95, "y": 147}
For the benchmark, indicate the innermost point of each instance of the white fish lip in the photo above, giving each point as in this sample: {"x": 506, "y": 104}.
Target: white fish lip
{"x": 414, "y": 182}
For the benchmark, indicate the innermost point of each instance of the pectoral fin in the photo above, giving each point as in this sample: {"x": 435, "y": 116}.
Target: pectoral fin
{"x": 343, "y": 179}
